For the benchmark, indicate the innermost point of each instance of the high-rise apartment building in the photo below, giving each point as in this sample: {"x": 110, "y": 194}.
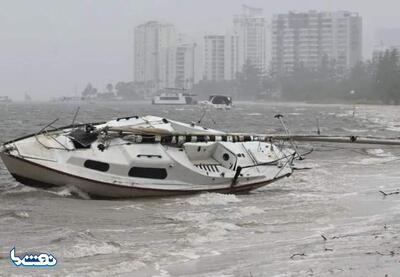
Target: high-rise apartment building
{"x": 308, "y": 38}
{"x": 214, "y": 57}
{"x": 220, "y": 57}
{"x": 155, "y": 55}
{"x": 185, "y": 65}
{"x": 250, "y": 27}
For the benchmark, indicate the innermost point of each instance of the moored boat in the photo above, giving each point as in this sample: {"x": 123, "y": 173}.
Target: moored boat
{"x": 172, "y": 96}
{"x": 219, "y": 102}
{"x": 5, "y": 99}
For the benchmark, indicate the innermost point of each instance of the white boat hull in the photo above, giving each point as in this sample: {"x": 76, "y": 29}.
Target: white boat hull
{"x": 35, "y": 175}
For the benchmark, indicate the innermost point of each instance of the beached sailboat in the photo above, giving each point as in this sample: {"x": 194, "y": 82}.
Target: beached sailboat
{"x": 144, "y": 156}
{"x": 153, "y": 156}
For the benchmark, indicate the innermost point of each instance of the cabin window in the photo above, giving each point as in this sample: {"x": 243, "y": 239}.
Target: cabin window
{"x": 148, "y": 172}
{"x": 95, "y": 165}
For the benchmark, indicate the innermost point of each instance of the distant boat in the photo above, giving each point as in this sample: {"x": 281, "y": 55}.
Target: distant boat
{"x": 173, "y": 96}
{"x": 66, "y": 99}
{"x": 27, "y": 97}
{"x": 5, "y": 99}
{"x": 220, "y": 102}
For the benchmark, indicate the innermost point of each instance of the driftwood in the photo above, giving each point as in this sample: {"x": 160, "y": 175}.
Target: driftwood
{"x": 391, "y": 253}
{"x": 301, "y": 168}
{"x": 389, "y": 193}
{"x": 297, "y": 254}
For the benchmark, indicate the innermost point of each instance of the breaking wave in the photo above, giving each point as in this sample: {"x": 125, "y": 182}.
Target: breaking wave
{"x": 84, "y": 244}
{"x": 248, "y": 211}
{"x": 16, "y": 189}
{"x": 213, "y": 199}
{"x": 377, "y": 156}
{"x": 14, "y": 214}
{"x": 89, "y": 249}
{"x": 211, "y": 232}
{"x": 70, "y": 191}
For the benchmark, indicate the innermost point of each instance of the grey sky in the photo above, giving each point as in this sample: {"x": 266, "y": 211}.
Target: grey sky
{"x": 51, "y": 47}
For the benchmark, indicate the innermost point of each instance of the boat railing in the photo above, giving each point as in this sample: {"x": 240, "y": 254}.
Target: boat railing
{"x": 45, "y": 131}
{"x": 287, "y": 159}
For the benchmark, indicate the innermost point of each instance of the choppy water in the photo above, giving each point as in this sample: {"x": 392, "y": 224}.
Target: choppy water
{"x": 213, "y": 234}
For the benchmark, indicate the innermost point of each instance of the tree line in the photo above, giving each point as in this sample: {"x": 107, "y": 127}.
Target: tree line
{"x": 374, "y": 81}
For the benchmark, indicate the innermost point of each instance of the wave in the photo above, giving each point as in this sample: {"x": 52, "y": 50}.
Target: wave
{"x": 133, "y": 206}
{"x": 88, "y": 249}
{"x": 70, "y": 191}
{"x": 354, "y": 130}
{"x": 14, "y": 214}
{"x": 379, "y": 152}
{"x": 84, "y": 244}
{"x": 186, "y": 254}
{"x": 213, "y": 199}
{"x": 372, "y": 161}
{"x": 346, "y": 114}
{"x": 200, "y": 217}
{"x": 211, "y": 232}
{"x": 118, "y": 269}
{"x": 69, "y": 235}
{"x": 16, "y": 189}
{"x": 206, "y": 227}
{"x": 248, "y": 211}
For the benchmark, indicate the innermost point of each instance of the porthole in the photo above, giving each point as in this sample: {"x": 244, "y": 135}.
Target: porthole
{"x": 225, "y": 156}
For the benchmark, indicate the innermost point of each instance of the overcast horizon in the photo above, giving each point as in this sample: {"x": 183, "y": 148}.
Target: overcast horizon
{"x": 53, "y": 48}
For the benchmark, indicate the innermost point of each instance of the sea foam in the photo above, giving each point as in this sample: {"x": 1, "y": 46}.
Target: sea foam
{"x": 213, "y": 199}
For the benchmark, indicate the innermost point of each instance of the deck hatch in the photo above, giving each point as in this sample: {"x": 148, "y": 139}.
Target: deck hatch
{"x": 96, "y": 165}
{"x": 148, "y": 172}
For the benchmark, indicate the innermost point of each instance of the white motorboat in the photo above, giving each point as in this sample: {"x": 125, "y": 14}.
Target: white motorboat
{"x": 5, "y": 99}
{"x": 172, "y": 96}
{"x": 145, "y": 156}
{"x": 219, "y": 102}
{"x": 66, "y": 99}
